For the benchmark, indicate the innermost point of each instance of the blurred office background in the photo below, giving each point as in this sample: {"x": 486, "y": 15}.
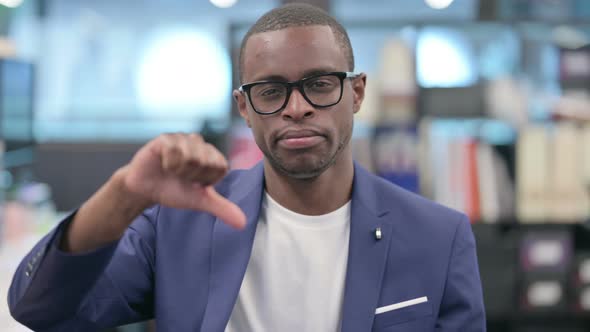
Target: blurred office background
{"x": 482, "y": 105}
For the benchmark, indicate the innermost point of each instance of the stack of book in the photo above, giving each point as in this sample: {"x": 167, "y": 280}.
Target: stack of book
{"x": 464, "y": 172}
{"x": 551, "y": 174}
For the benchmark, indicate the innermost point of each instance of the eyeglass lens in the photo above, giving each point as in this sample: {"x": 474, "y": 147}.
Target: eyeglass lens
{"x": 321, "y": 91}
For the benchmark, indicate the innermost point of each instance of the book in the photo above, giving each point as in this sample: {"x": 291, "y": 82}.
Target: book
{"x": 532, "y": 173}
{"x": 567, "y": 193}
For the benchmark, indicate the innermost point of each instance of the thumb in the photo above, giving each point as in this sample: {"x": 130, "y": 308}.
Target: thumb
{"x": 222, "y": 208}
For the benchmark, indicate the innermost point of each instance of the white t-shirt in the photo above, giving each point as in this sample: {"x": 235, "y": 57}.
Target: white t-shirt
{"x": 294, "y": 281}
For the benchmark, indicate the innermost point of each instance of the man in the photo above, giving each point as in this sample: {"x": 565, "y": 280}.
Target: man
{"x": 305, "y": 241}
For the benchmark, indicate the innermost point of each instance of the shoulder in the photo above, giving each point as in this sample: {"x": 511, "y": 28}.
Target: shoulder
{"x": 417, "y": 214}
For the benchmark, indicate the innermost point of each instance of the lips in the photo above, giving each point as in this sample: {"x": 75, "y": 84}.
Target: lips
{"x": 298, "y": 134}
{"x": 299, "y": 139}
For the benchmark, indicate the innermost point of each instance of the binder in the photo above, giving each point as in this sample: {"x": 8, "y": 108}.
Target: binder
{"x": 567, "y": 193}
{"x": 398, "y": 83}
{"x": 532, "y": 172}
{"x": 488, "y": 191}
{"x": 585, "y": 165}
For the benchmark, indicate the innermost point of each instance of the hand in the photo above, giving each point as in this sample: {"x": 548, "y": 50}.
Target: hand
{"x": 178, "y": 170}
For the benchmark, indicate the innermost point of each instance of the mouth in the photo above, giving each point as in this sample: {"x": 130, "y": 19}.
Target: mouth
{"x": 299, "y": 139}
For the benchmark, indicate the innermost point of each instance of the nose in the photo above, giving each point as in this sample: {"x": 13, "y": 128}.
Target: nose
{"x": 297, "y": 107}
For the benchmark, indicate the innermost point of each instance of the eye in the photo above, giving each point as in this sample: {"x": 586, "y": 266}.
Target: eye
{"x": 320, "y": 83}
{"x": 270, "y": 92}
{"x": 325, "y": 83}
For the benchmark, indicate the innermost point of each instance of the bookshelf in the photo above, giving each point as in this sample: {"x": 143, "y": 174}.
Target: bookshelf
{"x": 441, "y": 132}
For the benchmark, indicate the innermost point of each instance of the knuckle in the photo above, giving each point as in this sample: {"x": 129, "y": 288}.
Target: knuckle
{"x": 168, "y": 139}
{"x": 195, "y": 136}
{"x": 209, "y": 150}
{"x": 212, "y": 151}
{"x": 163, "y": 139}
{"x": 167, "y": 136}
{"x": 174, "y": 149}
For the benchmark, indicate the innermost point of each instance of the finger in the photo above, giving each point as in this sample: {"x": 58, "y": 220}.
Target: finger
{"x": 192, "y": 160}
{"x": 171, "y": 153}
{"x": 222, "y": 208}
{"x": 216, "y": 167}
{"x": 220, "y": 160}
{"x": 210, "y": 168}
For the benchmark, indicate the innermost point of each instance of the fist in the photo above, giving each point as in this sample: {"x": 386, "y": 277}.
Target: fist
{"x": 178, "y": 170}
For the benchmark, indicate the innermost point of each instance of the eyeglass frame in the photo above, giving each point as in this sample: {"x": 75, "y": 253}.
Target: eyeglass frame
{"x": 342, "y": 75}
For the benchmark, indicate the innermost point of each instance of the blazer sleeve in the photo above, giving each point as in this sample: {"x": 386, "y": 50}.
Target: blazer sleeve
{"x": 462, "y": 307}
{"x": 56, "y": 291}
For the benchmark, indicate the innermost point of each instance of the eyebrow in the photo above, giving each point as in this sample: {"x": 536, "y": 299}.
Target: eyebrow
{"x": 307, "y": 73}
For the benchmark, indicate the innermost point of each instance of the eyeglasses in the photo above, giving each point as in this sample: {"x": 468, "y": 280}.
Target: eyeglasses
{"x": 322, "y": 90}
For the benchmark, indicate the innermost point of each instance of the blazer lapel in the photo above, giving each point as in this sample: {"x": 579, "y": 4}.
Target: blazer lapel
{"x": 367, "y": 255}
{"x": 231, "y": 251}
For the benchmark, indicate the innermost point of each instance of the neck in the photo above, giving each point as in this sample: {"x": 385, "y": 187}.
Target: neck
{"x": 315, "y": 196}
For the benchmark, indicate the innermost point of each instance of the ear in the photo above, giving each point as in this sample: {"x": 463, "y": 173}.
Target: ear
{"x": 240, "y": 99}
{"x": 358, "y": 88}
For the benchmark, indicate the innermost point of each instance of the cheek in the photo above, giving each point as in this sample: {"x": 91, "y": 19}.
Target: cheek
{"x": 346, "y": 129}
{"x": 258, "y": 131}
{"x": 345, "y": 119}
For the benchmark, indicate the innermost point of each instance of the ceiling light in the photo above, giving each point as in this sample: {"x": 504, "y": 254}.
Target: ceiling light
{"x": 11, "y": 3}
{"x": 223, "y": 3}
{"x": 183, "y": 72}
{"x": 438, "y": 4}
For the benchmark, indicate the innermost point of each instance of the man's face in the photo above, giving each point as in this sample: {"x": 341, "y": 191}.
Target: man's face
{"x": 301, "y": 141}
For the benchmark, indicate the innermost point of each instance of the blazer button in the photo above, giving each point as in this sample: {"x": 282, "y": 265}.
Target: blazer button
{"x": 378, "y": 234}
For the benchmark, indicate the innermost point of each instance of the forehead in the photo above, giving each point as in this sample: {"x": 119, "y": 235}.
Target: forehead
{"x": 291, "y": 52}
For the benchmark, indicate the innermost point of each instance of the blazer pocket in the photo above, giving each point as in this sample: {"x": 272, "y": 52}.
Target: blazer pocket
{"x": 402, "y": 312}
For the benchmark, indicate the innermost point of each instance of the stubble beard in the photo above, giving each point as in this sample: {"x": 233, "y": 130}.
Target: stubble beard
{"x": 314, "y": 168}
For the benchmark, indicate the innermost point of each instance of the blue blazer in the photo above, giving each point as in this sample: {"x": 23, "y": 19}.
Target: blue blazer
{"x": 185, "y": 268}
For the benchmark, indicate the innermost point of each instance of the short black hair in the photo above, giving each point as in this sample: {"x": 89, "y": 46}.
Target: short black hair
{"x": 298, "y": 15}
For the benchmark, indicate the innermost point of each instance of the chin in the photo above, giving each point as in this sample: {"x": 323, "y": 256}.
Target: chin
{"x": 303, "y": 174}
{"x": 302, "y": 169}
